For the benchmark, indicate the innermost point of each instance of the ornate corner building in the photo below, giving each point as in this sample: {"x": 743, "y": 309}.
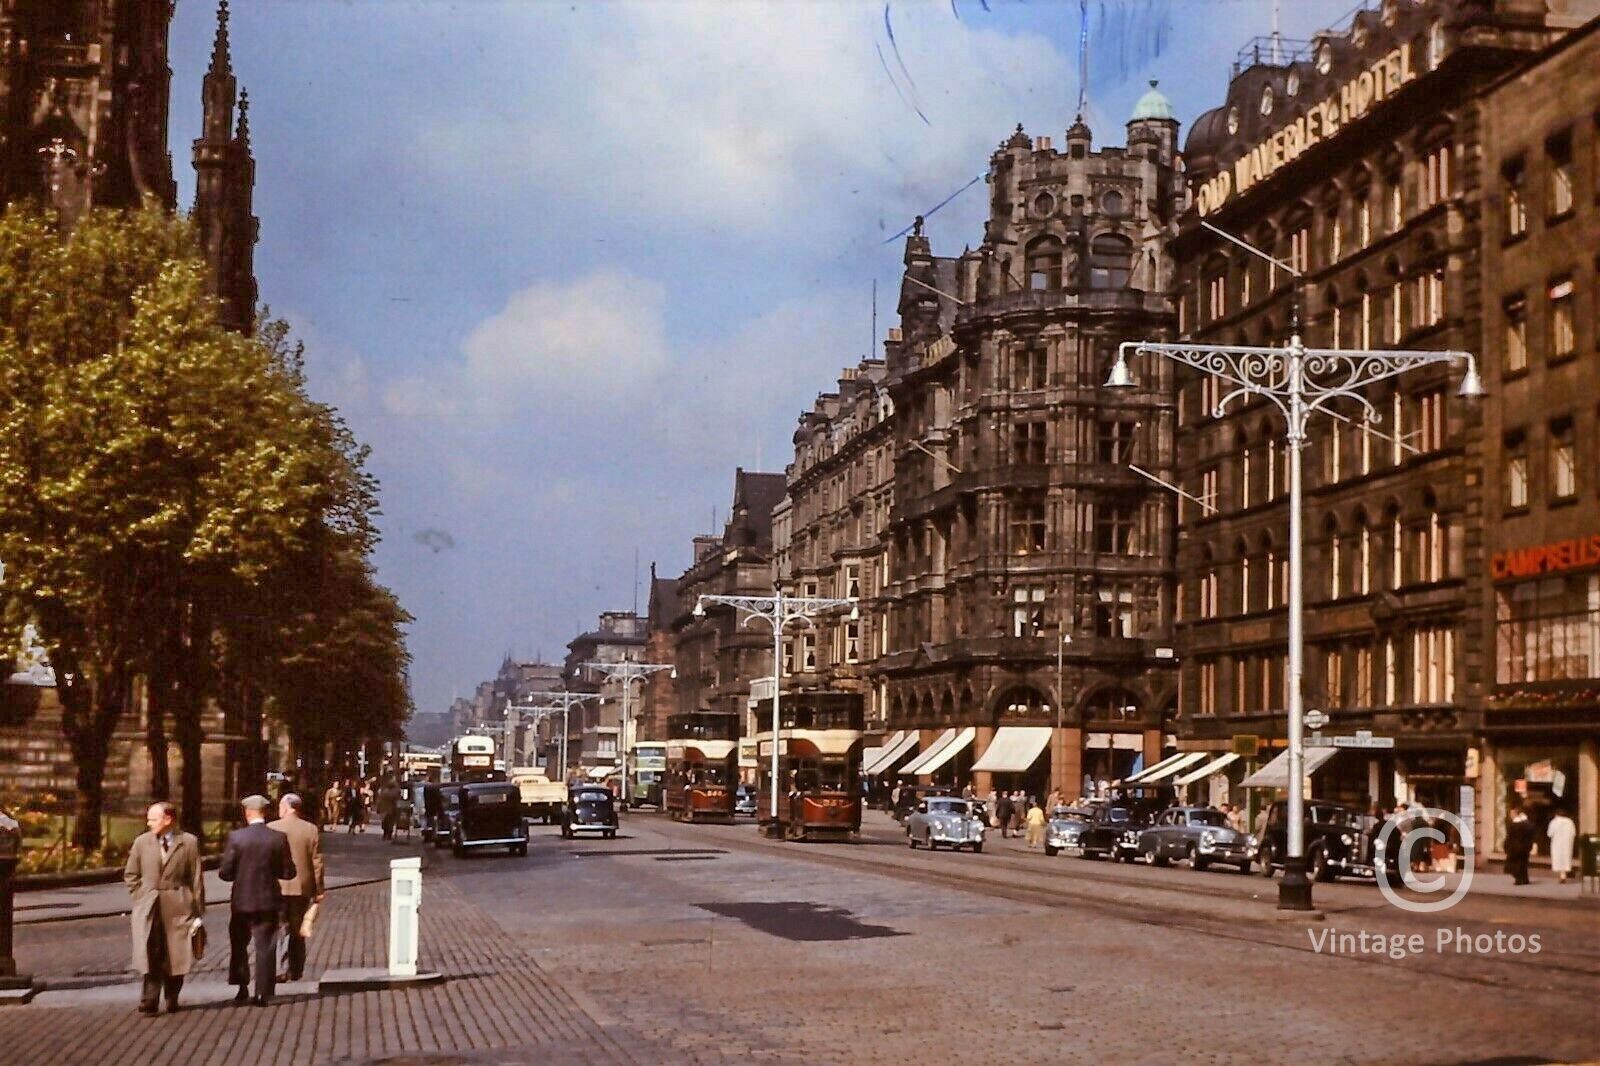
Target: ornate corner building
{"x": 1365, "y": 160}
{"x": 84, "y": 90}
{"x": 1028, "y": 593}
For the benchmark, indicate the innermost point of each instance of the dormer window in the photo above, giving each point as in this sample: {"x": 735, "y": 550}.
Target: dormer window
{"x": 1266, "y": 100}
{"x": 1292, "y": 85}
{"x": 1044, "y": 264}
{"x": 1325, "y": 58}
{"x": 1233, "y": 120}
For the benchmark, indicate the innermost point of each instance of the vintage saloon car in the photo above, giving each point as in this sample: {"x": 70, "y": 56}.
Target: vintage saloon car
{"x": 1065, "y": 828}
{"x": 912, "y": 795}
{"x": 1198, "y": 835}
{"x": 590, "y": 809}
{"x": 947, "y": 820}
{"x": 489, "y": 815}
{"x": 1339, "y": 841}
{"x": 443, "y": 805}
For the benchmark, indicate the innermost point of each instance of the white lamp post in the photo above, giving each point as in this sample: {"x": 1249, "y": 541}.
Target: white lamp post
{"x": 553, "y": 702}
{"x": 1298, "y": 381}
{"x": 627, "y": 672}
{"x": 777, "y": 611}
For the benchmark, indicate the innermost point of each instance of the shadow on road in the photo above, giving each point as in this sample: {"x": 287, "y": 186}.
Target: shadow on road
{"x": 797, "y": 920}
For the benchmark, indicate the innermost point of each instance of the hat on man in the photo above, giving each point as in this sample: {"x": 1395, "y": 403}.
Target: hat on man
{"x": 255, "y": 803}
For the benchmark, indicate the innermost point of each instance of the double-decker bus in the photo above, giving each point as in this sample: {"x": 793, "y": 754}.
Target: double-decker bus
{"x": 819, "y": 768}
{"x": 421, "y": 764}
{"x": 647, "y": 765}
{"x": 472, "y": 759}
{"x": 702, "y": 766}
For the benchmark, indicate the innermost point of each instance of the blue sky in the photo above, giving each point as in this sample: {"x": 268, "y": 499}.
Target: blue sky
{"x": 566, "y": 265}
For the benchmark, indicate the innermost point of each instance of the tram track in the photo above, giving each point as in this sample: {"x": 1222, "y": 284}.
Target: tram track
{"x": 1554, "y": 969}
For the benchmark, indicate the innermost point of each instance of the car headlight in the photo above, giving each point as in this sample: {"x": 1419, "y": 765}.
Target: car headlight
{"x": 1208, "y": 839}
{"x": 1347, "y": 840}
{"x": 1252, "y": 841}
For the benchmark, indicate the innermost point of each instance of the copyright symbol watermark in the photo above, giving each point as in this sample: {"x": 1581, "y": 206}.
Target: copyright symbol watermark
{"x": 1424, "y": 828}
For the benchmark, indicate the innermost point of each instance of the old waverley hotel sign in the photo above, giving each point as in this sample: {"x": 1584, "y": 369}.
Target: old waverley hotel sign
{"x": 1350, "y": 103}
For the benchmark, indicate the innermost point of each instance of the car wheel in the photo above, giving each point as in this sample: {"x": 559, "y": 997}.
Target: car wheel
{"x": 911, "y": 841}
{"x": 928, "y": 841}
{"x": 611, "y": 834}
{"x": 1266, "y": 860}
{"x": 1051, "y": 851}
{"x": 1196, "y": 861}
{"x": 1153, "y": 857}
{"x": 1244, "y": 867}
{"x": 520, "y": 851}
{"x": 458, "y": 849}
{"x": 566, "y": 834}
{"x": 977, "y": 849}
{"x": 1317, "y": 865}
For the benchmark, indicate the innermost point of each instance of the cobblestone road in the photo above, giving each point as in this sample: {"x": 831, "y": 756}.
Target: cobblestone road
{"x": 707, "y": 945}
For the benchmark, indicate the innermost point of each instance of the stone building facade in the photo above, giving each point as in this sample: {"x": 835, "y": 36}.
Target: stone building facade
{"x": 1539, "y": 735}
{"x": 717, "y": 658}
{"x": 1356, "y": 160}
{"x": 1029, "y": 594}
{"x": 827, "y": 536}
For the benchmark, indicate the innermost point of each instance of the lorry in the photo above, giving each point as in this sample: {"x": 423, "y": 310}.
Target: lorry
{"x": 542, "y": 798}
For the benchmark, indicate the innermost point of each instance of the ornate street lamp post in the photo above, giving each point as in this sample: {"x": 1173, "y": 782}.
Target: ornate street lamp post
{"x": 777, "y": 611}
{"x": 626, "y": 672}
{"x": 1298, "y": 381}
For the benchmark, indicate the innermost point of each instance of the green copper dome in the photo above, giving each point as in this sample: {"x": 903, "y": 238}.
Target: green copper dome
{"x": 1153, "y": 105}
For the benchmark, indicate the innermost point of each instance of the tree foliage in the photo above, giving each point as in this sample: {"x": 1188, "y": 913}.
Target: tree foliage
{"x": 171, "y": 499}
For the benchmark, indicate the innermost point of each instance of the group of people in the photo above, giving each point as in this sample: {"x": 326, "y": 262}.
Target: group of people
{"x": 1560, "y": 830}
{"x": 1016, "y": 813}
{"x": 350, "y": 801}
{"x": 276, "y": 870}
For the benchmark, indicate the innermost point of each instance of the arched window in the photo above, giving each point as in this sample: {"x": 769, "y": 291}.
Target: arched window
{"x": 1242, "y": 446}
{"x": 1242, "y": 549}
{"x": 1208, "y": 583}
{"x": 1269, "y": 573}
{"x": 1363, "y": 554}
{"x": 1432, "y": 543}
{"x": 1330, "y": 530}
{"x": 1112, "y": 705}
{"x": 1044, "y": 264}
{"x": 1391, "y": 517}
{"x": 1110, "y": 261}
{"x": 1023, "y": 702}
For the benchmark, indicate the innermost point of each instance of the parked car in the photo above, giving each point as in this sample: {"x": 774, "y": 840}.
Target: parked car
{"x": 1065, "y": 827}
{"x": 443, "y": 817}
{"x": 1339, "y": 841}
{"x": 489, "y": 815}
{"x": 947, "y": 820}
{"x": 911, "y": 795}
{"x": 589, "y": 809}
{"x": 744, "y": 800}
{"x": 1199, "y": 836}
{"x": 1114, "y": 830}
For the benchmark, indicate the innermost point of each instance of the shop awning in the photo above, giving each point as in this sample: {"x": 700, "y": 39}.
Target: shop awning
{"x": 949, "y": 751}
{"x": 1014, "y": 749}
{"x": 892, "y": 752}
{"x": 1155, "y": 767}
{"x": 1161, "y": 773}
{"x": 1276, "y": 773}
{"x": 1215, "y": 766}
{"x": 914, "y": 767}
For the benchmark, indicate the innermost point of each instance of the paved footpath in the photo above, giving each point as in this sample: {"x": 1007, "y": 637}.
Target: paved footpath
{"x": 497, "y": 1006}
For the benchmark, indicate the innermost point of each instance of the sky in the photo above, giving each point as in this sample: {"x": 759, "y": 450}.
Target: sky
{"x": 566, "y": 266}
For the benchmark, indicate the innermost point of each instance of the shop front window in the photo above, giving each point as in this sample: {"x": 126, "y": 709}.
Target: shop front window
{"x": 1541, "y": 780}
{"x": 1548, "y": 630}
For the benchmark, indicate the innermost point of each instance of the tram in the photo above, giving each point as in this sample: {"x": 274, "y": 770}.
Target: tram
{"x": 819, "y": 765}
{"x": 702, "y": 766}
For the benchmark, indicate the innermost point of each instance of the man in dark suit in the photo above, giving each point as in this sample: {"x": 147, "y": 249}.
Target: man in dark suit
{"x": 255, "y": 860}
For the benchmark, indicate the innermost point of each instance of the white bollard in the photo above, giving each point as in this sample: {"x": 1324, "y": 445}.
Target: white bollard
{"x": 405, "y": 900}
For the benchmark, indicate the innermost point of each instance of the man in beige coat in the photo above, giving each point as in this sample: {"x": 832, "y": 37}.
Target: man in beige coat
{"x": 169, "y": 904}
{"x": 305, "y": 887}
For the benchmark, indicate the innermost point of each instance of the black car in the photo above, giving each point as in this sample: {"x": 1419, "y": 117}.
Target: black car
{"x": 911, "y": 795}
{"x": 445, "y": 801}
{"x": 1339, "y": 841}
{"x": 590, "y": 809}
{"x": 1114, "y": 830}
{"x": 488, "y": 816}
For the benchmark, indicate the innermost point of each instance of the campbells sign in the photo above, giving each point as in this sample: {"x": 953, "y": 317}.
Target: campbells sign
{"x": 1579, "y": 553}
{"x": 1351, "y": 103}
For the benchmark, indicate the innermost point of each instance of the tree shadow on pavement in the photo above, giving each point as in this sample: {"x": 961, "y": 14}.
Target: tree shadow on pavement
{"x": 799, "y": 920}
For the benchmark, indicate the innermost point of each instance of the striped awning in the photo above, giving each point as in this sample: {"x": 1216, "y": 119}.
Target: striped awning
{"x": 938, "y": 758}
{"x": 1014, "y": 749}
{"x": 1276, "y": 773}
{"x": 1215, "y": 766}
{"x": 914, "y": 767}
{"x": 893, "y": 750}
{"x": 1183, "y": 762}
{"x": 1155, "y": 767}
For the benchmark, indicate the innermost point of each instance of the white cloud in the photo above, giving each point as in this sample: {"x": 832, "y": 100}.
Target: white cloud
{"x": 552, "y": 343}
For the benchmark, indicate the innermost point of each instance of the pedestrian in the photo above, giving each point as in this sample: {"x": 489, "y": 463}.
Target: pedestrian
{"x": 1019, "y": 811}
{"x": 967, "y": 793}
{"x": 1002, "y": 814}
{"x": 1055, "y": 800}
{"x": 255, "y": 860}
{"x": 388, "y": 807}
{"x": 169, "y": 905}
{"x": 330, "y": 804}
{"x": 306, "y": 887}
{"x": 1035, "y": 825}
{"x": 1519, "y": 845}
{"x": 1562, "y": 832}
{"x": 894, "y": 799}
{"x": 354, "y": 816}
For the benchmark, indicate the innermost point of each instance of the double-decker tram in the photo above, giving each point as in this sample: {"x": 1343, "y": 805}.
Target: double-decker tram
{"x": 702, "y": 766}
{"x": 819, "y": 768}
{"x": 472, "y": 760}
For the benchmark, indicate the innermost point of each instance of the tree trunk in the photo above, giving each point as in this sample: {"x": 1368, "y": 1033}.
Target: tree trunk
{"x": 187, "y": 730}
{"x": 91, "y": 708}
{"x": 156, "y": 695}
